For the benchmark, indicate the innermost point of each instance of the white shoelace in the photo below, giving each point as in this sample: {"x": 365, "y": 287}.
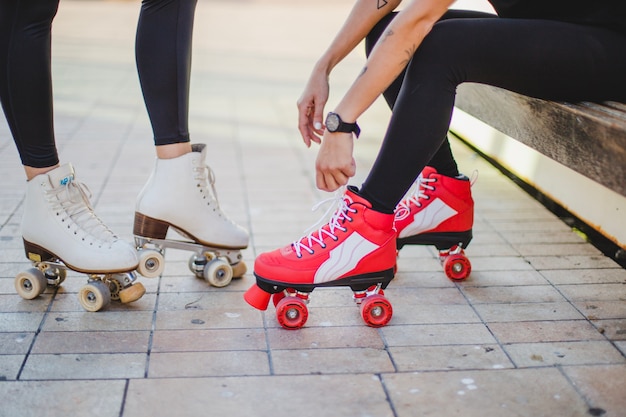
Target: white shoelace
{"x": 404, "y": 207}
{"x": 341, "y": 208}
{"x": 205, "y": 176}
{"x": 73, "y": 201}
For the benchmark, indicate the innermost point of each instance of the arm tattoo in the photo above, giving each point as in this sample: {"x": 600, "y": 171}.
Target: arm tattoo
{"x": 363, "y": 71}
{"x": 380, "y": 4}
{"x": 409, "y": 54}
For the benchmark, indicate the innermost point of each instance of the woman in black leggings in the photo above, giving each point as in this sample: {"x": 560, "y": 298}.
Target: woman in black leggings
{"x": 58, "y": 221}
{"x": 551, "y": 49}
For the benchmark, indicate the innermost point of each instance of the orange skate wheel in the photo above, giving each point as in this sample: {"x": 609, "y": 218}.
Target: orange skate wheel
{"x": 457, "y": 266}
{"x": 292, "y": 313}
{"x": 376, "y": 310}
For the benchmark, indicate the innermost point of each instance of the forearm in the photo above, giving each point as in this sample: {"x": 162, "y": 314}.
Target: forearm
{"x": 391, "y": 55}
{"x": 364, "y": 15}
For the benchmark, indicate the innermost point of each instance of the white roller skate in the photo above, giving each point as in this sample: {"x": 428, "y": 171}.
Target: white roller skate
{"x": 180, "y": 196}
{"x": 61, "y": 232}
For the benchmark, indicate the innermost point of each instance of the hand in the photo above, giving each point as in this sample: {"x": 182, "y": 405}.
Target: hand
{"x": 311, "y": 108}
{"x": 335, "y": 163}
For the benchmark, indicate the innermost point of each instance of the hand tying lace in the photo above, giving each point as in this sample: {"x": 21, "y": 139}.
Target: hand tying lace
{"x": 342, "y": 213}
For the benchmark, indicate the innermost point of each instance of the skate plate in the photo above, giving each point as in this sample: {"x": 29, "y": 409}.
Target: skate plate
{"x": 218, "y": 266}
{"x": 95, "y": 295}
{"x": 291, "y": 301}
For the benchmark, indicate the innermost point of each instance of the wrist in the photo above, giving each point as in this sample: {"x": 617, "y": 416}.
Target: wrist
{"x": 335, "y": 123}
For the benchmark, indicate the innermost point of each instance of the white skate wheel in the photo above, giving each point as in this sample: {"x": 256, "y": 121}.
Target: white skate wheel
{"x": 218, "y": 273}
{"x": 151, "y": 263}
{"x": 30, "y": 284}
{"x": 94, "y": 296}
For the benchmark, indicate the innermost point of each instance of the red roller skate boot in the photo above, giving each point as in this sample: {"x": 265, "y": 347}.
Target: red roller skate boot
{"x": 356, "y": 249}
{"x": 439, "y": 212}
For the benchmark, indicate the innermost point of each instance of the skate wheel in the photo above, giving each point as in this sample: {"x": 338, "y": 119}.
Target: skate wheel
{"x": 132, "y": 293}
{"x": 291, "y": 313}
{"x": 376, "y": 310}
{"x": 218, "y": 273}
{"x": 277, "y": 297}
{"x": 457, "y": 266}
{"x": 94, "y": 296}
{"x": 257, "y": 298}
{"x": 239, "y": 269}
{"x": 151, "y": 263}
{"x": 30, "y": 284}
{"x": 280, "y": 295}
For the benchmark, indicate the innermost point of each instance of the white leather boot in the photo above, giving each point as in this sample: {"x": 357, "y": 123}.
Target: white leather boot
{"x": 59, "y": 223}
{"x": 180, "y": 194}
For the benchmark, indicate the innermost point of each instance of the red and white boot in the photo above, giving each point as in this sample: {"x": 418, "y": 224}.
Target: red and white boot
{"x": 356, "y": 248}
{"x": 439, "y": 211}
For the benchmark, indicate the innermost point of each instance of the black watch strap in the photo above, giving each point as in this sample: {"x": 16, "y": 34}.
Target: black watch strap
{"x": 335, "y": 124}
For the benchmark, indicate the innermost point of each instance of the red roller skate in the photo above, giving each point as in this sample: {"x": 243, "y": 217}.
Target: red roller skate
{"x": 356, "y": 249}
{"x": 439, "y": 212}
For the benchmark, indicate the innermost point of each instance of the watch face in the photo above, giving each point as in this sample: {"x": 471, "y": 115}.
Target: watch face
{"x": 332, "y": 122}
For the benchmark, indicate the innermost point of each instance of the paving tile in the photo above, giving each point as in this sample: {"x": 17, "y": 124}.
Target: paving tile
{"x": 445, "y": 358}
{"x": 79, "y": 398}
{"x": 92, "y": 342}
{"x": 599, "y": 310}
{"x": 512, "y": 294}
{"x": 602, "y": 387}
{"x": 20, "y": 322}
{"x": 325, "y": 338}
{"x": 276, "y": 396}
{"x": 331, "y": 361}
{"x": 204, "y": 364}
{"x": 15, "y": 343}
{"x": 84, "y": 366}
{"x": 563, "y": 353}
{"x": 545, "y": 331}
{"x": 611, "y": 329}
{"x": 99, "y": 321}
{"x": 585, "y": 276}
{"x": 527, "y": 312}
{"x": 10, "y": 366}
{"x": 481, "y": 393}
{"x": 208, "y": 340}
{"x": 209, "y": 319}
{"x": 593, "y": 292}
{"x": 437, "y": 334}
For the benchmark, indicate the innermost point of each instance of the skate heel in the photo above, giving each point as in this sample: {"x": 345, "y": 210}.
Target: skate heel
{"x": 36, "y": 253}
{"x": 148, "y": 227}
{"x": 257, "y": 298}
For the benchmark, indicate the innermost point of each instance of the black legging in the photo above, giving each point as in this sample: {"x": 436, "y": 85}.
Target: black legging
{"x": 539, "y": 58}
{"x": 163, "y": 48}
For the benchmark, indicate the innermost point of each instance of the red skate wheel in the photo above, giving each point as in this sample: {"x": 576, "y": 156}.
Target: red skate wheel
{"x": 457, "y": 266}
{"x": 376, "y": 310}
{"x": 280, "y": 295}
{"x": 292, "y": 313}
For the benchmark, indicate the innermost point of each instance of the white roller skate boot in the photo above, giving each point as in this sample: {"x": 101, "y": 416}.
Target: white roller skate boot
{"x": 180, "y": 196}
{"x": 61, "y": 232}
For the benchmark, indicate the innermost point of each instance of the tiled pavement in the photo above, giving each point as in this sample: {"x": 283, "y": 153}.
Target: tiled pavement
{"x": 539, "y": 329}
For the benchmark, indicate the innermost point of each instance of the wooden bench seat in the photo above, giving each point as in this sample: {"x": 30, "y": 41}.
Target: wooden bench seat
{"x": 589, "y": 138}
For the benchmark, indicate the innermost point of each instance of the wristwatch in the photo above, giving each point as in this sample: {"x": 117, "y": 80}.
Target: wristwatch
{"x": 335, "y": 124}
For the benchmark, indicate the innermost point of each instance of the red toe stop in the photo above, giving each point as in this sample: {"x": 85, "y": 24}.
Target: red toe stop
{"x": 257, "y": 298}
